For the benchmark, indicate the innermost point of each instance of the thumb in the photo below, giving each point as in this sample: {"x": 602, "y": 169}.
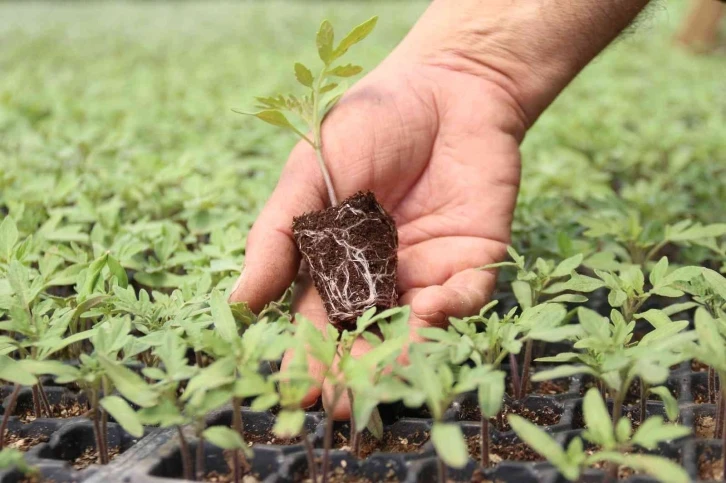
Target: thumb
{"x": 271, "y": 257}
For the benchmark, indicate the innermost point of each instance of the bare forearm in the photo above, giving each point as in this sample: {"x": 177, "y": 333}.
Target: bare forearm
{"x": 531, "y": 48}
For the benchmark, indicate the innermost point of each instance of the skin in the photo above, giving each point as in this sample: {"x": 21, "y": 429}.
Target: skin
{"x": 434, "y": 131}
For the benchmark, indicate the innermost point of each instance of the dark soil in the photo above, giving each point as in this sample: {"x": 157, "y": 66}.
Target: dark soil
{"x": 500, "y": 452}
{"x": 61, "y": 411}
{"x": 90, "y": 456}
{"x": 254, "y": 438}
{"x": 705, "y": 427}
{"x": 697, "y": 366}
{"x": 344, "y": 246}
{"x": 339, "y": 475}
{"x": 545, "y": 388}
{"x": 542, "y": 416}
{"x": 216, "y": 477}
{"x": 700, "y": 394}
{"x": 24, "y": 443}
{"x": 388, "y": 444}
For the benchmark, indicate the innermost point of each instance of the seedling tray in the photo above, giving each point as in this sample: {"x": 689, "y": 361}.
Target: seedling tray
{"x": 156, "y": 456}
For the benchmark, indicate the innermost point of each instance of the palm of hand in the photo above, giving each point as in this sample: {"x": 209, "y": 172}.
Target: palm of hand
{"x": 440, "y": 150}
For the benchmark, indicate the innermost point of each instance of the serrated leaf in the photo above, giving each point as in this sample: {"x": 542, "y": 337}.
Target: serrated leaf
{"x": 354, "y": 36}
{"x": 11, "y": 371}
{"x": 565, "y": 267}
{"x": 324, "y": 41}
{"x": 659, "y": 271}
{"x": 303, "y": 75}
{"x": 224, "y": 322}
{"x": 347, "y": 70}
{"x": 129, "y": 384}
{"x": 716, "y": 281}
{"x": 597, "y": 419}
{"x": 654, "y": 431}
{"x": 123, "y": 414}
{"x": 8, "y": 237}
{"x": 289, "y": 423}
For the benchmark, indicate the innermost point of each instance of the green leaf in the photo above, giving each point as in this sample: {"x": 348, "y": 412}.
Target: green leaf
{"x": 129, "y": 384}
{"x": 560, "y": 372}
{"x": 716, "y": 281}
{"x": 523, "y": 293}
{"x": 289, "y": 423}
{"x": 569, "y": 298}
{"x": 582, "y": 283}
{"x": 697, "y": 232}
{"x": 117, "y": 271}
{"x": 449, "y": 444}
{"x": 8, "y": 238}
{"x": 566, "y": 266}
{"x": 356, "y": 35}
{"x": 324, "y": 41}
{"x": 11, "y": 371}
{"x": 224, "y": 322}
{"x": 657, "y": 318}
{"x": 375, "y": 424}
{"x": 545, "y": 445}
{"x": 348, "y": 70}
{"x": 303, "y": 75}
{"x": 599, "y": 428}
{"x": 225, "y": 438}
{"x": 623, "y": 430}
{"x": 670, "y": 402}
{"x": 654, "y": 431}
{"x": 659, "y": 271}
{"x": 123, "y": 414}
{"x": 491, "y": 394}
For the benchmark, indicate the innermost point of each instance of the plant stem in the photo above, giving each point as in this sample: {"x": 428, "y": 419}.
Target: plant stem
{"x": 719, "y": 414}
{"x": 97, "y": 427}
{"x": 723, "y": 435}
{"x": 525, "y": 369}
{"x": 199, "y": 468}
{"x": 274, "y": 366}
{"x": 711, "y": 384}
{"x": 441, "y": 470}
{"x": 643, "y": 400}
{"x": 8, "y": 411}
{"x": 310, "y": 454}
{"x": 354, "y": 445}
{"x": 44, "y": 400}
{"x": 484, "y": 442}
{"x": 618, "y": 406}
{"x": 238, "y": 426}
{"x": 317, "y": 126}
{"x": 186, "y": 455}
{"x": 36, "y": 402}
{"x": 328, "y": 442}
{"x": 514, "y": 371}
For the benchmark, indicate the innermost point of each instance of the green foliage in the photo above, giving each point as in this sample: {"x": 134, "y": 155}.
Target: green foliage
{"x": 614, "y": 443}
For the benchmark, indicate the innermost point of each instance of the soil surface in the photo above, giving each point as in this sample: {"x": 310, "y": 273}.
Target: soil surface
{"x": 500, "y": 452}
{"x": 60, "y": 411}
{"x": 339, "y": 475}
{"x": 697, "y": 366}
{"x": 388, "y": 444}
{"x": 542, "y": 416}
{"x": 705, "y": 427}
{"x": 545, "y": 388}
{"x": 351, "y": 253}
{"x": 24, "y": 443}
{"x": 216, "y": 477}
{"x": 90, "y": 456}
{"x": 700, "y": 394}
{"x": 269, "y": 438}
{"x": 710, "y": 469}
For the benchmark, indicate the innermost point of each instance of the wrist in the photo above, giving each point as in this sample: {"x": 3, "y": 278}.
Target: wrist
{"x": 530, "y": 49}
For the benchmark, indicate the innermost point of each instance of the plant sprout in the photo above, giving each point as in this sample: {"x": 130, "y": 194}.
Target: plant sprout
{"x": 324, "y": 92}
{"x": 614, "y": 443}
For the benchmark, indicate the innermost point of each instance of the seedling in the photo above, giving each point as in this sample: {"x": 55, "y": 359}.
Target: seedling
{"x": 610, "y": 356}
{"x": 709, "y": 349}
{"x": 614, "y": 444}
{"x": 350, "y": 247}
{"x": 545, "y": 281}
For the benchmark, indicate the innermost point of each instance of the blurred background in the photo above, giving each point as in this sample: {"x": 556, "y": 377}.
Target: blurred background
{"x": 126, "y": 106}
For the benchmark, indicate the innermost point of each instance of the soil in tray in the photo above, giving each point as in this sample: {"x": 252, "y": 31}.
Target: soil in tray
{"x": 710, "y": 469}
{"x": 59, "y": 411}
{"x": 500, "y": 452}
{"x": 624, "y": 472}
{"x": 390, "y": 443}
{"x": 543, "y": 388}
{"x": 542, "y": 416}
{"x": 24, "y": 443}
{"x": 268, "y": 438}
{"x": 216, "y": 477}
{"x": 90, "y": 456}
{"x": 697, "y": 366}
{"x": 339, "y": 475}
{"x": 705, "y": 426}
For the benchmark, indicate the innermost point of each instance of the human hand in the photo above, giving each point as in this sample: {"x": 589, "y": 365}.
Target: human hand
{"x": 440, "y": 150}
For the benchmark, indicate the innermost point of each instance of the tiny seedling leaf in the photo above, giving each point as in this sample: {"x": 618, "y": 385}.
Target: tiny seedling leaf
{"x": 123, "y": 414}
{"x": 450, "y": 445}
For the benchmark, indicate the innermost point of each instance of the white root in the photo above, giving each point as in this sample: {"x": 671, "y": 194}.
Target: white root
{"x": 347, "y": 300}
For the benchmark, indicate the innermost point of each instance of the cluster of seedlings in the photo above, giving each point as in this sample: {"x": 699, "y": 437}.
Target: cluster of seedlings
{"x": 621, "y": 321}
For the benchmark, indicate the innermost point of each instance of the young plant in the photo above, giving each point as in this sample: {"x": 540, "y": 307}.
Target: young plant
{"x": 710, "y": 349}
{"x": 13, "y": 458}
{"x": 350, "y": 248}
{"x": 610, "y": 356}
{"x": 435, "y": 385}
{"x": 544, "y": 281}
{"x": 615, "y": 444}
